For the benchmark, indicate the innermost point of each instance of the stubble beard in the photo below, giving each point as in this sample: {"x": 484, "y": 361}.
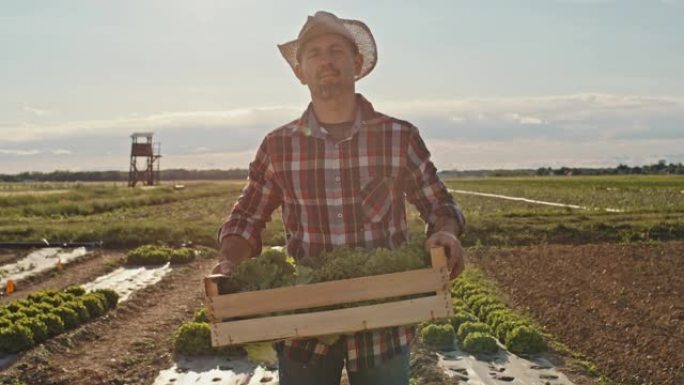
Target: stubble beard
{"x": 329, "y": 91}
{"x": 334, "y": 89}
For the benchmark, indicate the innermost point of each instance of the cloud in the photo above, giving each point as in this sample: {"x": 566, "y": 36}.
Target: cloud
{"x": 33, "y": 152}
{"x": 588, "y": 129}
{"x": 517, "y": 118}
{"x": 271, "y": 116}
{"x": 18, "y": 152}
{"x": 577, "y": 117}
{"x": 34, "y": 111}
{"x": 46, "y": 161}
{"x": 61, "y": 152}
{"x": 534, "y": 153}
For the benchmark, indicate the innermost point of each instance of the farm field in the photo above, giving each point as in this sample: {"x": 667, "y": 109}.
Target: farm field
{"x": 651, "y": 208}
{"x": 619, "y": 304}
{"x": 606, "y": 284}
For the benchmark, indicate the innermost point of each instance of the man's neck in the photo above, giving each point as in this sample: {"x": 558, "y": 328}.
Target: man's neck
{"x": 335, "y": 110}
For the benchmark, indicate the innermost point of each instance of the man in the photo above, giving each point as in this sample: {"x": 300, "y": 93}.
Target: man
{"x": 341, "y": 173}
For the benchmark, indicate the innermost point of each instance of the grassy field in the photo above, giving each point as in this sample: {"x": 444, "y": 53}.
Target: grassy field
{"x": 633, "y": 194}
{"x": 117, "y": 215}
{"x": 652, "y": 210}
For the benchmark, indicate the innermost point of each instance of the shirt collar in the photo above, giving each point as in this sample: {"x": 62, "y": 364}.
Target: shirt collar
{"x": 308, "y": 125}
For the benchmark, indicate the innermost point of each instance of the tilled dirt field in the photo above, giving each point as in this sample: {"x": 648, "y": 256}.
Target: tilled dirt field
{"x": 620, "y": 305}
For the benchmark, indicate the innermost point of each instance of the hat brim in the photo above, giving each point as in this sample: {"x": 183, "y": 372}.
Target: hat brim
{"x": 363, "y": 38}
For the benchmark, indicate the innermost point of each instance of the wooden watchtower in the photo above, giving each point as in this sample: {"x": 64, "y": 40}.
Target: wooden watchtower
{"x": 143, "y": 147}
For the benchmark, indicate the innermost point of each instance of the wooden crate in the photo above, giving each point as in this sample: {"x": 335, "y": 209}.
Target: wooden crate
{"x": 253, "y": 326}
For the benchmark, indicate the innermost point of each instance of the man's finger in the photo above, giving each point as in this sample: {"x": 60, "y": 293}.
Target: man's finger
{"x": 456, "y": 262}
{"x": 456, "y": 270}
{"x": 459, "y": 266}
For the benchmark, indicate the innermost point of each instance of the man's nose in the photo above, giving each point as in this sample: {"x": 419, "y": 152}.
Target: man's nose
{"x": 326, "y": 57}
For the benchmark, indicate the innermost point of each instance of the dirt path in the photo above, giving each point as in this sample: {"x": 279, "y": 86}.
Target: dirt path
{"x": 129, "y": 346}
{"x": 84, "y": 269}
{"x": 9, "y": 256}
{"x": 621, "y": 305}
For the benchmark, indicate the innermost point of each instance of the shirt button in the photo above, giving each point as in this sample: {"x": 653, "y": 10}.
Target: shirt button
{"x": 337, "y": 178}
{"x": 339, "y": 215}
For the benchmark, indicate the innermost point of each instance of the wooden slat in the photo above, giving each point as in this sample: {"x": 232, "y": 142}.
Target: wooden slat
{"x": 439, "y": 258}
{"x": 331, "y": 322}
{"x": 325, "y": 293}
{"x": 210, "y": 285}
{"x": 211, "y": 290}
{"x": 439, "y": 263}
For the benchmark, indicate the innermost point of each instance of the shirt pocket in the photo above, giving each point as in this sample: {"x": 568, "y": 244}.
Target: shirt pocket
{"x": 376, "y": 197}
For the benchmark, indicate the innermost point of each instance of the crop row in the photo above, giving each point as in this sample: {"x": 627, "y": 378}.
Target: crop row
{"x": 480, "y": 318}
{"x": 189, "y": 220}
{"x": 88, "y": 204}
{"x": 45, "y": 314}
{"x": 193, "y": 338}
{"x": 159, "y": 255}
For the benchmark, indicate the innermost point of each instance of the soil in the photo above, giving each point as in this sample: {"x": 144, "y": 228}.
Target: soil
{"x": 9, "y": 256}
{"x": 622, "y": 306}
{"x": 84, "y": 269}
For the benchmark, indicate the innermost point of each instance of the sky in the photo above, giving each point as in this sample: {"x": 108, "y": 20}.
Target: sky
{"x": 489, "y": 83}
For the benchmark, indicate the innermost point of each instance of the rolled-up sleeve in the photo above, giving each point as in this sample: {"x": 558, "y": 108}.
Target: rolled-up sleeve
{"x": 253, "y": 209}
{"x": 423, "y": 187}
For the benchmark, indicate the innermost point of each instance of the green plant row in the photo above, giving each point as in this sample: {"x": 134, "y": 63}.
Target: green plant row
{"x": 100, "y": 200}
{"x": 159, "y": 255}
{"x": 474, "y": 337}
{"x": 479, "y": 310}
{"x": 27, "y": 322}
{"x": 193, "y": 338}
{"x": 480, "y": 319}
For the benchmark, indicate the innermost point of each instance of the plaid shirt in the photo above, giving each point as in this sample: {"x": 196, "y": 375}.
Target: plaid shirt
{"x": 351, "y": 193}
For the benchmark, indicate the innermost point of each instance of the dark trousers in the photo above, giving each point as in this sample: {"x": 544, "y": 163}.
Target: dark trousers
{"x": 328, "y": 370}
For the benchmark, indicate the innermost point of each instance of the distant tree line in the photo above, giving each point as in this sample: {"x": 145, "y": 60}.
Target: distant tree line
{"x": 121, "y": 176}
{"x": 660, "y": 168}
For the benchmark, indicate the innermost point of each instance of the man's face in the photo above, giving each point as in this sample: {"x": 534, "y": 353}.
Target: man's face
{"x": 328, "y": 65}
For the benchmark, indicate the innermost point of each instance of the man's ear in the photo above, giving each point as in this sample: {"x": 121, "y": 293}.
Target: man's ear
{"x": 358, "y": 62}
{"x": 298, "y": 73}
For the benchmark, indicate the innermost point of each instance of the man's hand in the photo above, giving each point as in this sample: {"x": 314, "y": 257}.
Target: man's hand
{"x": 448, "y": 240}
{"x": 224, "y": 267}
{"x": 234, "y": 250}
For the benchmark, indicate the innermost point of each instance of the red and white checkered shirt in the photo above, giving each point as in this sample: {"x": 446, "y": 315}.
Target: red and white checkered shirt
{"x": 349, "y": 193}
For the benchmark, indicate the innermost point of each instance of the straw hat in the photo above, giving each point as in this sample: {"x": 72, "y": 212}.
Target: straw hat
{"x": 325, "y": 22}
